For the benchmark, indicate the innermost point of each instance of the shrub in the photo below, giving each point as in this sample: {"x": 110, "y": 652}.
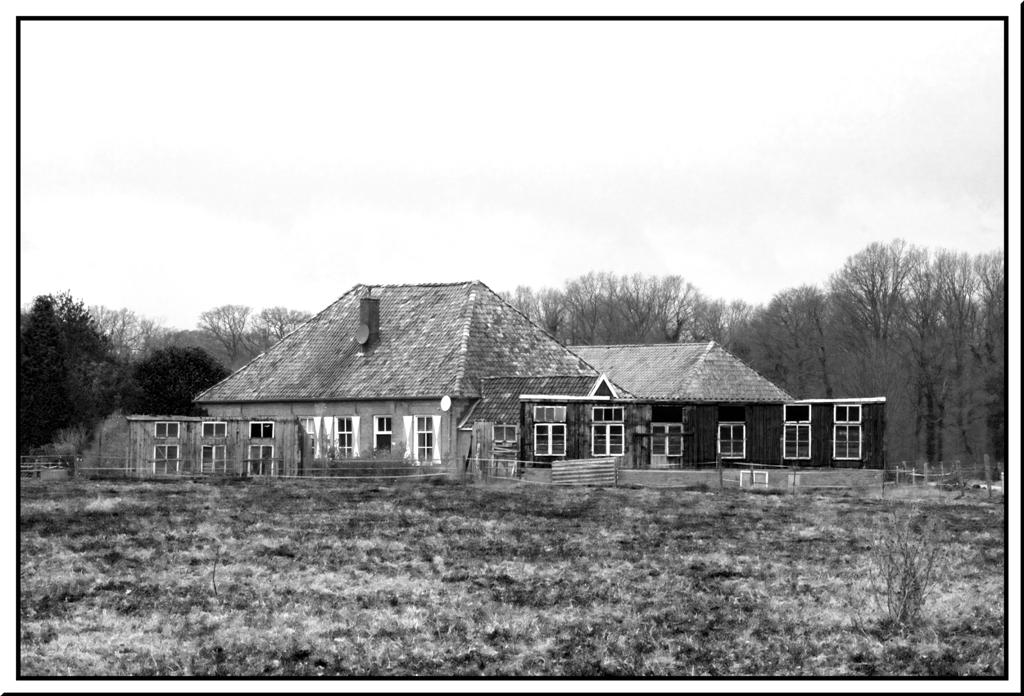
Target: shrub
{"x": 905, "y": 560}
{"x": 71, "y": 440}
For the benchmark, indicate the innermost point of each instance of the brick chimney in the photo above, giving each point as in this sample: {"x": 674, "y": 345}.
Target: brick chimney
{"x": 369, "y": 316}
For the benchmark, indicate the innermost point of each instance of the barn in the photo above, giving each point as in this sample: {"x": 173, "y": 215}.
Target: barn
{"x": 695, "y": 401}
{"x": 434, "y": 373}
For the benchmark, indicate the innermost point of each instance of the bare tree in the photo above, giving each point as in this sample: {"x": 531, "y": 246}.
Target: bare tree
{"x": 229, "y": 325}
{"x": 551, "y": 304}
{"x": 958, "y": 306}
{"x": 676, "y": 306}
{"x": 121, "y": 327}
{"x": 587, "y": 303}
{"x": 989, "y": 350}
{"x": 273, "y": 324}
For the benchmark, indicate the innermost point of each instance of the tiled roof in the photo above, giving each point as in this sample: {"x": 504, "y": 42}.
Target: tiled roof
{"x": 681, "y": 372}
{"x": 499, "y": 401}
{"x": 434, "y": 340}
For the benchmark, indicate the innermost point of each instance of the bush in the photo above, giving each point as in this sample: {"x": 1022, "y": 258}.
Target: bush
{"x": 904, "y": 565}
{"x": 71, "y": 440}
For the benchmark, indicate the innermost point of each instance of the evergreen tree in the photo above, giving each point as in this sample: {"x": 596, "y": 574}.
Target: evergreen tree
{"x": 43, "y": 404}
{"x": 170, "y": 378}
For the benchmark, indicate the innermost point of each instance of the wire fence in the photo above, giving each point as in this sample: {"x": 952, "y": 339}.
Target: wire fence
{"x": 985, "y": 475}
{"x": 57, "y": 468}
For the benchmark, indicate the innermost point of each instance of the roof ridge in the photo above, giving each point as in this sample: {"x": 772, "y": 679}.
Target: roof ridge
{"x": 561, "y": 375}
{"x": 637, "y": 345}
{"x": 743, "y": 362}
{"x": 539, "y": 327}
{"x": 423, "y": 285}
{"x": 256, "y": 358}
{"x": 468, "y": 311}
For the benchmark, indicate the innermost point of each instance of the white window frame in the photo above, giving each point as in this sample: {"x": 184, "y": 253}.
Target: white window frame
{"x": 848, "y": 424}
{"x": 214, "y": 423}
{"x": 504, "y": 428}
{"x": 390, "y": 432}
{"x": 731, "y": 425}
{"x": 250, "y": 459}
{"x": 616, "y": 410}
{"x": 345, "y": 450}
{"x": 797, "y": 425}
{"x": 167, "y": 424}
{"x": 787, "y": 419}
{"x": 214, "y": 460}
{"x": 607, "y": 427}
{"x": 418, "y": 431}
{"x": 550, "y": 430}
{"x": 835, "y": 442}
{"x": 541, "y": 416}
{"x": 261, "y": 423}
{"x": 664, "y": 438}
{"x": 835, "y": 414}
{"x": 176, "y": 458}
{"x": 165, "y": 458}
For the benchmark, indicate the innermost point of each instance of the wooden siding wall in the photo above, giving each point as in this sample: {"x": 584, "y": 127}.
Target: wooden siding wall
{"x": 823, "y": 434}
{"x": 764, "y": 427}
{"x": 451, "y": 443}
{"x": 764, "y": 433}
{"x": 700, "y": 441}
{"x": 702, "y": 446}
{"x": 579, "y": 417}
{"x": 142, "y": 440}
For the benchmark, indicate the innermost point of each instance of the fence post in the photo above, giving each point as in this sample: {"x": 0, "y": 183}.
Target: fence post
{"x": 988, "y": 476}
{"x": 898, "y": 469}
{"x": 926, "y": 472}
{"x": 718, "y": 465}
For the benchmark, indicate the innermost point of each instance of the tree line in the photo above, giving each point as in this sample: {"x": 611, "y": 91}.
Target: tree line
{"x": 924, "y": 328}
{"x": 79, "y": 364}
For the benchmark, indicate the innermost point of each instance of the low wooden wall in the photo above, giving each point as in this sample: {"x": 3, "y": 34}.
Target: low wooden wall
{"x": 776, "y": 478}
{"x": 668, "y": 477}
{"x": 584, "y": 472}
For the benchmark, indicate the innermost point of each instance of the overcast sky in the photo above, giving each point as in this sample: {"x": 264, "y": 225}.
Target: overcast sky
{"x": 173, "y": 167}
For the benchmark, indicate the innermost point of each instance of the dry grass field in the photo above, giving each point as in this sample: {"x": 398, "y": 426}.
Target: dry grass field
{"x": 304, "y": 578}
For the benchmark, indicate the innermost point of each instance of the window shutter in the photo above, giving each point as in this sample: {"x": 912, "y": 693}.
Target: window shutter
{"x": 437, "y": 439}
{"x": 355, "y": 436}
{"x": 318, "y": 436}
{"x": 410, "y": 436}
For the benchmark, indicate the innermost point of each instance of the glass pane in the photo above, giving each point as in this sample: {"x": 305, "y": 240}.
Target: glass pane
{"x": 616, "y": 439}
{"x": 658, "y": 444}
{"x": 558, "y": 439}
{"x": 600, "y": 439}
{"x": 541, "y": 438}
{"x": 798, "y": 413}
{"x": 675, "y": 445}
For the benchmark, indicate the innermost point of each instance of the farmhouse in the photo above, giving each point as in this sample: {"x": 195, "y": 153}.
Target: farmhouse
{"x": 385, "y": 370}
{"x": 435, "y": 373}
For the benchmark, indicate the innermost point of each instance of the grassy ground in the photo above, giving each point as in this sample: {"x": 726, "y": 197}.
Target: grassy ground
{"x": 301, "y": 578}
